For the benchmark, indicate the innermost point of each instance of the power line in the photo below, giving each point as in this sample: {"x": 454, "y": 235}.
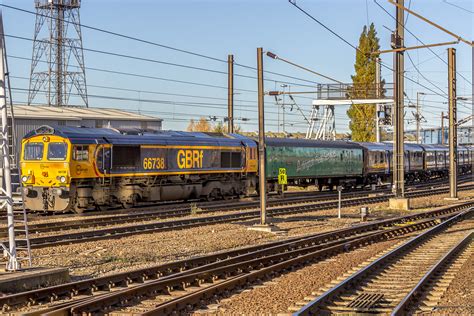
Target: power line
{"x": 151, "y": 92}
{"x": 219, "y": 106}
{"x": 417, "y": 38}
{"x": 158, "y": 44}
{"x": 149, "y": 77}
{"x": 164, "y": 62}
{"x": 459, "y": 7}
{"x": 293, "y": 2}
{"x": 423, "y": 76}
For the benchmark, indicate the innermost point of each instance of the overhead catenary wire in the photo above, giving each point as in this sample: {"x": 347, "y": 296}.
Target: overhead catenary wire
{"x": 418, "y": 39}
{"x": 293, "y": 2}
{"x": 149, "y": 77}
{"x": 150, "y": 60}
{"x": 151, "y": 92}
{"x": 220, "y": 106}
{"x": 157, "y": 44}
{"x": 159, "y": 78}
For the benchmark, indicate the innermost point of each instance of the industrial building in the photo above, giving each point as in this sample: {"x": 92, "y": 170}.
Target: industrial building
{"x": 433, "y": 135}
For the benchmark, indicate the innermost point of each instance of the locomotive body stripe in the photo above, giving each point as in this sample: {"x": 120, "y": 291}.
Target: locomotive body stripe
{"x": 164, "y": 173}
{"x": 191, "y": 147}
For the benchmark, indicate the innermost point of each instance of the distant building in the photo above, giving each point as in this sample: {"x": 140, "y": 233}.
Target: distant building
{"x": 433, "y": 135}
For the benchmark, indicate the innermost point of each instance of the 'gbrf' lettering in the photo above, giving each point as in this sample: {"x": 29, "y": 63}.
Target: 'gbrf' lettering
{"x": 189, "y": 158}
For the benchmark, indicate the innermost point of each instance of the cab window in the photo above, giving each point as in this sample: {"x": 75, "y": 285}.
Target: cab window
{"x": 57, "y": 151}
{"x": 80, "y": 153}
{"x": 33, "y": 151}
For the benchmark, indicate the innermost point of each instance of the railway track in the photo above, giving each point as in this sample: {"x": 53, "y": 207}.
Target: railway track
{"x": 123, "y": 231}
{"x": 186, "y": 282}
{"x": 179, "y": 208}
{"x": 393, "y": 283}
{"x": 171, "y": 210}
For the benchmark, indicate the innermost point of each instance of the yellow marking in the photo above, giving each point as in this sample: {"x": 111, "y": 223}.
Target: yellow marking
{"x": 201, "y": 171}
{"x": 191, "y": 147}
{"x": 189, "y": 158}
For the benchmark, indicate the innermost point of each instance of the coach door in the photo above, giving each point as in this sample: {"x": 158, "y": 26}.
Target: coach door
{"x": 104, "y": 159}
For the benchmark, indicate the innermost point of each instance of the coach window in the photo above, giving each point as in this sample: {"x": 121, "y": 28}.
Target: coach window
{"x": 33, "y": 151}
{"x": 80, "y": 153}
{"x": 57, "y": 151}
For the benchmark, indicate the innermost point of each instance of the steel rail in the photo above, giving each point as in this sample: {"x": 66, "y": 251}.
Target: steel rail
{"x": 246, "y": 271}
{"x": 313, "y": 307}
{"x": 179, "y": 211}
{"x": 118, "y": 232}
{"x": 401, "y": 308}
{"x": 89, "y": 286}
{"x": 123, "y": 231}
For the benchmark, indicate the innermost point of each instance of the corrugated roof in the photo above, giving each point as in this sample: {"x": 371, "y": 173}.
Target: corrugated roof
{"x": 74, "y": 113}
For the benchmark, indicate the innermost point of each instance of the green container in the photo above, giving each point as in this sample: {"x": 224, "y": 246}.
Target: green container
{"x": 314, "y": 162}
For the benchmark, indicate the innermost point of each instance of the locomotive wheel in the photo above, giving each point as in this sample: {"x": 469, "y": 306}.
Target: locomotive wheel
{"x": 215, "y": 194}
{"x": 132, "y": 203}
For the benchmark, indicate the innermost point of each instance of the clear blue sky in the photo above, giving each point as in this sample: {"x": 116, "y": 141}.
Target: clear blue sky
{"x": 217, "y": 28}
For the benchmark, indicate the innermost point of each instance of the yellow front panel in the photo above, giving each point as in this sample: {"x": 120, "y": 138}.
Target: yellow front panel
{"x": 43, "y": 170}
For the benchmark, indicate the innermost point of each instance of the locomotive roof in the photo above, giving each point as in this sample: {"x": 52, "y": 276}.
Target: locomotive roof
{"x": 86, "y": 135}
{"x": 281, "y": 142}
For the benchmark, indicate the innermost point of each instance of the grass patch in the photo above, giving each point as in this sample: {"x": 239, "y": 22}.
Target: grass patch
{"x": 195, "y": 209}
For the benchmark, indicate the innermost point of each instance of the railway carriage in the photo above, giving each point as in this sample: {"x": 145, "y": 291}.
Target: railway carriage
{"x": 436, "y": 160}
{"x": 464, "y": 159}
{"x": 377, "y": 161}
{"x": 414, "y": 163}
{"x": 323, "y": 163}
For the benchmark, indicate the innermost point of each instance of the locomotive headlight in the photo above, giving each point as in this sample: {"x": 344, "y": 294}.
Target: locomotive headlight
{"x": 62, "y": 179}
{"x": 24, "y": 178}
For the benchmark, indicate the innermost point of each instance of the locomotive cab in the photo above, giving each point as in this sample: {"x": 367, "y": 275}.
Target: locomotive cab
{"x": 45, "y": 172}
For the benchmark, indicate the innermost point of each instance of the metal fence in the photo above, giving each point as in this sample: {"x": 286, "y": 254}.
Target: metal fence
{"x": 354, "y": 91}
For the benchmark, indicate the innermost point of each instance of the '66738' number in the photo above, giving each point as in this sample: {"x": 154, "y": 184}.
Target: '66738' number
{"x": 153, "y": 163}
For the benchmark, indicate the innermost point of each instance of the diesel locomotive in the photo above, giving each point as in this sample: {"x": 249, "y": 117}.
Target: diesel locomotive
{"x": 75, "y": 168}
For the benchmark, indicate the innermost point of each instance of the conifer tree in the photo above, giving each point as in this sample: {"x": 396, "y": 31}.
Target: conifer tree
{"x": 362, "y": 116}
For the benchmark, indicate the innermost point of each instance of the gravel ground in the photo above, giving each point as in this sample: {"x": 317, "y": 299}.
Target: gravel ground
{"x": 96, "y": 258}
{"x": 459, "y": 297}
{"x": 276, "y": 296}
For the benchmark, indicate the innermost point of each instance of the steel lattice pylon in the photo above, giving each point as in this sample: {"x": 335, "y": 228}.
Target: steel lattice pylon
{"x": 59, "y": 53}
{"x": 322, "y": 124}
